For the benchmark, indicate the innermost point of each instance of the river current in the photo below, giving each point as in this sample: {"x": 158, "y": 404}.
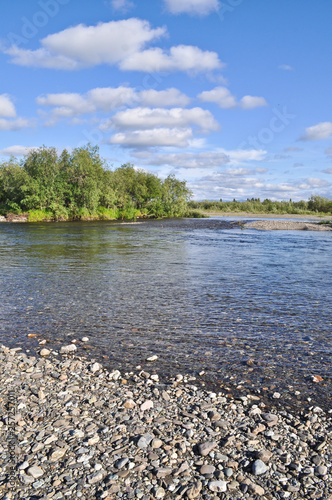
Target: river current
{"x": 251, "y": 309}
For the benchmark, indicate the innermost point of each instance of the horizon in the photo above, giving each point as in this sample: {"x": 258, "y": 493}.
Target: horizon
{"x": 229, "y": 97}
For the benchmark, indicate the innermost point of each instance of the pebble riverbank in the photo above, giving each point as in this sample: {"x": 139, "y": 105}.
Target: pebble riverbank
{"x": 287, "y": 225}
{"x": 71, "y": 429}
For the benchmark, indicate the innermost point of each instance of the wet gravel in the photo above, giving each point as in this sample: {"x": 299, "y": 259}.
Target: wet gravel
{"x": 71, "y": 428}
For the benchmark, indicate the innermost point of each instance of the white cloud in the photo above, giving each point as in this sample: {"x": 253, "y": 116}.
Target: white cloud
{"x": 220, "y": 96}
{"x": 16, "y": 124}
{"x": 206, "y": 159}
{"x": 189, "y": 160}
{"x": 17, "y": 150}
{"x": 251, "y": 102}
{"x": 223, "y": 97}
{"x": 180, "y": 58}
{"x": 154, "y": 137}
{"x": 327, "y": 171}
{"x": 7, "y": 108}
{"x": 66, "y": 105}
{"x": 121, "y": 43}
{"x": 285, "y": 67}
{"x": 163, "y": 98}
{"x": 122, "y": 5}
{"x": 147, "y": 118}
{"x": 86, "y": 46}
{"x": 106, "y": 99}
{"x": 200, "y": 7}
{"x": 322, "y": 130}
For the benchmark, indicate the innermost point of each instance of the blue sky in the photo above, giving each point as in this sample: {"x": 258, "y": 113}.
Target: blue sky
{"x": 233, "y": 96}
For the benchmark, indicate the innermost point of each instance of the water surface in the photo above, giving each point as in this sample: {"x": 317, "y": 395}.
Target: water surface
{"x": 248, "y": 307}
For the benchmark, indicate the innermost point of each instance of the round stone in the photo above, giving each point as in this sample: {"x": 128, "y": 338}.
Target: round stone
{"x": 259, "y": 467}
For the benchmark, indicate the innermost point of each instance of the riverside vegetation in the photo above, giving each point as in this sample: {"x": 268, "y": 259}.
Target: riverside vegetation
{"x": 46, "y": 185}
{"x": 80, "y": 185}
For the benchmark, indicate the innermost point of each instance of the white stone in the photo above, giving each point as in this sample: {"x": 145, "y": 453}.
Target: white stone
{"x": 65, "y": 349}
{"x": 152, "y": 358}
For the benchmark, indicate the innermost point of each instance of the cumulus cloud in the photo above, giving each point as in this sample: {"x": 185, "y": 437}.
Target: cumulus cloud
{"x": 223, "y": 97}
{"x": 180, "y": 58}
{"x": 85, "y": 46}
{"x": 192, "y": 7}
{"x": 16, "y": 150}
{"x": 226, "y": 186}
{"x": 251, "y": 102}
{"x": 322, "y": 130}
{"x": 7, "y": 108}
{"x": 123, "y": 43}
{"x": 154, "y": 137}
{"x": 205, "y": 159}
{"x": 327, "y": 171}
{"x": 107, "y": 99}
{"x": 220, "y": 96}
{"x": 151, "y": 118}
{"x": 122, "y": 5}
{"x": 16, "y": 124}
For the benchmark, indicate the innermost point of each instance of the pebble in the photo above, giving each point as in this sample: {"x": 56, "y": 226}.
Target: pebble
{"x": 259, "y": 467}
{"x": 66, "y": 349}
{"x": 205, "y": 448}
{"x": 35, "y": 472}
{"x": 218, "y": 486}
{"x": 83, "y": 433}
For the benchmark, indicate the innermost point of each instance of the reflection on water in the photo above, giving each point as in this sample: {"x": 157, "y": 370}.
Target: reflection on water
{"x": 245, "y": 306}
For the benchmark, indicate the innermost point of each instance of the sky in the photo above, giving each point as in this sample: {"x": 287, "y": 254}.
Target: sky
{"x": 233, "y": 96}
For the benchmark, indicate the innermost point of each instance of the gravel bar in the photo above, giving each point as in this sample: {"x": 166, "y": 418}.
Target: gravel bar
{"x": 282, "y": 225}
{"x": 72, "y": 429}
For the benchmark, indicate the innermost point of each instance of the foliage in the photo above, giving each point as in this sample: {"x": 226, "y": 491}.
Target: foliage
{"x": 316, "y": 204}
{"x": 79, "y": 185}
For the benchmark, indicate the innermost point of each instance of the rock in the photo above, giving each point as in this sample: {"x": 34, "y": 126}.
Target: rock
{"x": 56, "y": 454}
{"x": 144, "y": 441}
{"x": 264, "y": 455}
{"x": 159, "y": 492}
{"x": 164, "y": 472}
{"x": 256, "y": 489}
{"x": 156, "y": 443}
{"x": 66, "y": 349}
{"x": 270, "y": 418}
{"x": 207, "y": 469}
{"x": 259, "y": 467}
{"x": 119, "y": 464}
{"x": 85, "y": 339}
{"x": 35, "y": 471}
{"x": 95, "y": 367}
{"x": 115, "y": 375}
{"x": 45, "y": 352}
{"x": 152, "y": 358}
{"x": 194, "y": 490}
{"x": 147, "y": 405}
{"x": 218, "y": 486}
{"x": 96, "y": 477}
{"x": 321, "y": 470}
{"x": 129, "y": 404}
{"x": 205, "y": 448}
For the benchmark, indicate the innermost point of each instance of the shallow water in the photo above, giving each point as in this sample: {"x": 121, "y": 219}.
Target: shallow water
{"x": 247, "y": 307}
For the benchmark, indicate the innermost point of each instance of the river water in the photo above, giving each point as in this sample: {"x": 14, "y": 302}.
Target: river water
{"x": 249, "y": 308}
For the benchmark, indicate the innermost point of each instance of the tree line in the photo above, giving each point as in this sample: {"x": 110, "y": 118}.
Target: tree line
{"x": 80, "y": 185}
{"x": 316, "y": 204}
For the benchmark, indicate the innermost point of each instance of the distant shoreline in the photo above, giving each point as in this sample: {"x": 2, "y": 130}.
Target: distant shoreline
{"x": 268, "y": 216}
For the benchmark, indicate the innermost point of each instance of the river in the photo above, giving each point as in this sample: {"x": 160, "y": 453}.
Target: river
{"x": 251, "y": 309}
